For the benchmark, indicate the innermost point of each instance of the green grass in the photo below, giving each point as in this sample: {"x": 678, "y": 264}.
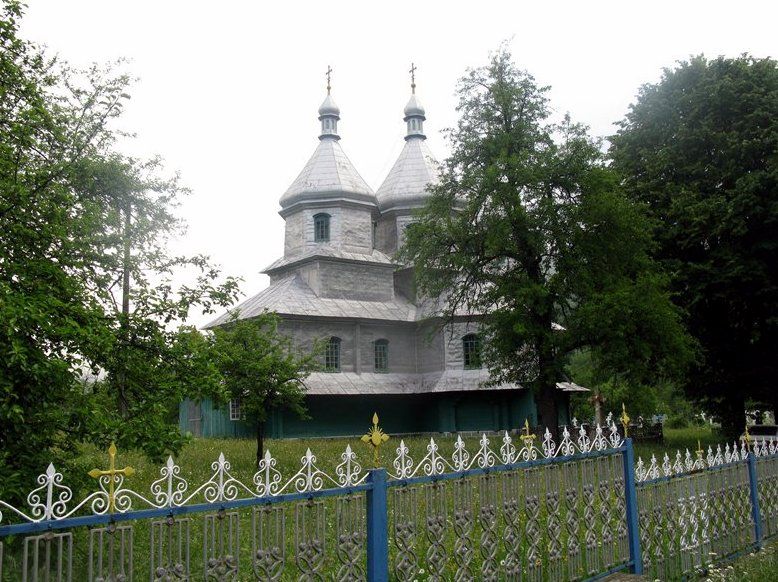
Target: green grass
{"x": 759, "y": 566}
{"x": 678, "y": 439}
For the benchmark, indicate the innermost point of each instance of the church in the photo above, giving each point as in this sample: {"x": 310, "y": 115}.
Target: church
{"x": 338, "y": 281}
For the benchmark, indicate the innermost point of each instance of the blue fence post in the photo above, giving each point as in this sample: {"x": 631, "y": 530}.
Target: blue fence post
{"x": 631, "y": 498}
{"x": 377, "y": 528}
{"x": 755, "y": 512}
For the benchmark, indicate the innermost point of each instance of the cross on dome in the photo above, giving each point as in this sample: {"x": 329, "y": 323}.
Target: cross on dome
{"x": 329, "y": 113}
{"x": 414, "y": 112}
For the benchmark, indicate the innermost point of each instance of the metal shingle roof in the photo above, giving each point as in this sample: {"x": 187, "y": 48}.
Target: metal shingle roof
{"x": 328, "y": 171}
{"x": 324, "y": 251}
{"x": 292, "y": 296}
{"x": 407, "y": 181}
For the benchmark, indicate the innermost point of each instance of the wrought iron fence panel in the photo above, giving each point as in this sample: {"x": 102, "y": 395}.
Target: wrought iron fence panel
{"x": 511, "y": 507}
{"x": 403, "y": 513}
{"x": 512, "y": 522}
{"x": 170, "y": 549}
{"x": 767, "y": 471}
{"x": 688, "y": 521}
{"x": 48, "y": 557}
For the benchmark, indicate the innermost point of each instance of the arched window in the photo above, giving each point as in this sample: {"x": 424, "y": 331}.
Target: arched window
{"x": 321, "y": 227}
{"x": 471, "y": 350}
{"x": 381, "y": 349}
{"x": 332, "y": 355}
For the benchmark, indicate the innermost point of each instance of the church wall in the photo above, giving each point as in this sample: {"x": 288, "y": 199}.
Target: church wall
{"x": 386, "y": 235}
{"x": 304, "y": 333}
{"x": 294, "y": 242}
{"x": 450, "y": 412}
{"x": 351, "y": 229}
{"x": 402, "y": 347}
{"x": 453, "y": 342}
{"x": 429, "y": 347}
{"x": 355, "y": 281}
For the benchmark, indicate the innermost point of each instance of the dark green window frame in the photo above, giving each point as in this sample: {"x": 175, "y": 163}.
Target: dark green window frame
{"x": 381, "y": 351}
{"x": 332, "y": 355}
{"x": 471, "y": 351}
{"x": 321, "y": 227}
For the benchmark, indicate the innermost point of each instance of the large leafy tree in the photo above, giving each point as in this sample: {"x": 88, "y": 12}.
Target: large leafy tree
{"x": 528, "y": 231}
{"x": 700, "y": 150}
{"x": 79, "y": 226}
{"x": 262, "y": 369}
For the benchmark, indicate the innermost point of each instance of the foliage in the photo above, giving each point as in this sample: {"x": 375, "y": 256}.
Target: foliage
{"x": 262, "y": 369}
{"x": 657, "y": 396}
{"x": 64, "y": 249}
{"x": 152, "y": 363}
{"x": 541, "y": 236}
{"x": 699, "y": 149}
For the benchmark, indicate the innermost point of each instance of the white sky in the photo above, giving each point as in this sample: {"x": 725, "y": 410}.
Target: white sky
{"x": 228, "y": 91}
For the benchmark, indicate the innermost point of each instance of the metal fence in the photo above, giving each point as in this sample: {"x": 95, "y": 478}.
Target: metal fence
{"x": 514, "y": 509}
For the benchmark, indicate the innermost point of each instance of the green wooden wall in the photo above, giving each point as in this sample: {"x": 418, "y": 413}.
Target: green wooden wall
{"x": 482, "y": 410}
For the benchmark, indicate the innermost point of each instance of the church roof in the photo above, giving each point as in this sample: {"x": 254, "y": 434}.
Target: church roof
{"x": 450, "y": 380}
{"x": 407, "y": 181}
{"x": 292, "y": 296}
{"x": 328, "y": 252}
{"x": 328, "y": 172}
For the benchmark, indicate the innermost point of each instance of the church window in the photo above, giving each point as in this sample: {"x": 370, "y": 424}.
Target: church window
{"x": 381, "y": 348}
{"x": 235, "y": 409}
{"x": 471, "y": 350}
{"x": 332, "y": 355}
{"x": 321, "y": 227}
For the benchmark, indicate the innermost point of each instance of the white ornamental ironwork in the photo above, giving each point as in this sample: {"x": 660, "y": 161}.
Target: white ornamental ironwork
{"x": 51, "y": 499}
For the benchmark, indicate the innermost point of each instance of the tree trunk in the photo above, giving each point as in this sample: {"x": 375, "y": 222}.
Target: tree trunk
{"x": 548, "y": 412}
{"x": 124, "y": 317}
{"x": 260, "y": 440}
{"x": 733, "y": 414}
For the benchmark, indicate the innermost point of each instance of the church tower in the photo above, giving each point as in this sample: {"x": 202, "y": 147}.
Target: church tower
{"x": 329, "y": 212}
{"x": 405, "y": 187}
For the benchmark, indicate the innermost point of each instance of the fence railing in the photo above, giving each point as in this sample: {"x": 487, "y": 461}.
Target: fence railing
{"x": 513, "y": 508}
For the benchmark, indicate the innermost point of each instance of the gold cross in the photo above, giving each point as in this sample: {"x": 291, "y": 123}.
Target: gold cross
{"x": 375, "y": 437}
{"x": 329, "y": 74}
{"x": 624, "y": 419}
{"x": 527, "y": 437}
{"x": 111, "y": 472}
{"x": 413, "y": 78}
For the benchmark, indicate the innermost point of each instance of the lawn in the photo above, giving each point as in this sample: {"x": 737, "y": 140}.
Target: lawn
{"x": 759, "y": 566}
{"x": 679, "y": 439}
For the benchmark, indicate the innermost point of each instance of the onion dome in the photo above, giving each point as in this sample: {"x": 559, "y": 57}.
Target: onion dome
{"x": 329, "y": 115}
{"x": 329, "y": 174}
{"x": 406, "y": 184}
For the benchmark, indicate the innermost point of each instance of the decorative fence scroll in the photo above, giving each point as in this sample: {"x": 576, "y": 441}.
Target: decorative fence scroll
{"x": 512, "y": 506}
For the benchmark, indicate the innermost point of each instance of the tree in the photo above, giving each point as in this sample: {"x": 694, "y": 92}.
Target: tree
{"x": 699, "y": 150}
{"x": 262, "y": 369}
{"x": 152, "y": 363}
{"x": 62, "y": 247}
{"x": 528, "y": 231}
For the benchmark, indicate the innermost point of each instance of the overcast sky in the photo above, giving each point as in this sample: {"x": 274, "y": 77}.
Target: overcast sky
{"x": 227, "y": 92}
